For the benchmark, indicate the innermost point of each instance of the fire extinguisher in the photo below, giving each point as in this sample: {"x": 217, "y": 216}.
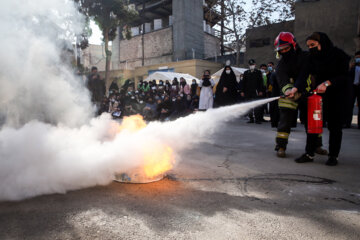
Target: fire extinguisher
{"x": 315, "y": 120}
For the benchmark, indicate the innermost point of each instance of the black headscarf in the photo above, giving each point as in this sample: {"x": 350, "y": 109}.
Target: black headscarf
{"x": 330, "y": 63}
{"x": 327, "y": 45}
{"x": 193, "y": 88}
{"x": 228, "y": 81}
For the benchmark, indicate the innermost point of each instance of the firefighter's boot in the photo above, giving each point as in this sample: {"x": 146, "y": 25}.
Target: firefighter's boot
{"x": 281, "y": 153}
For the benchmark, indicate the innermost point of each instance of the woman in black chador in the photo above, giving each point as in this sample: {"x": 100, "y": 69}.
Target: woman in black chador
{"x": 329, "y": 67}
{"x": 227, "y": 88}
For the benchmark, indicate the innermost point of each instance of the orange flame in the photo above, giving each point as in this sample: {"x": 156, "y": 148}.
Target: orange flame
{"x": 133, "y": 123}
{"x": 159, "y": 162}
{"x": 159, "y": 159}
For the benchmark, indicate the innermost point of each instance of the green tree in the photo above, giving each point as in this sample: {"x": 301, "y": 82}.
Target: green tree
{"x": 109, "y": 15}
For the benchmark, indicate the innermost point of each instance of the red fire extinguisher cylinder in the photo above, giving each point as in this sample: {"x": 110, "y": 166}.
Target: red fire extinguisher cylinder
{"x": 315, "y": 119}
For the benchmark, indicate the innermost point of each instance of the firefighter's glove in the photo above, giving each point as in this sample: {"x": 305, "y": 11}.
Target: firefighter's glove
{"x": 292, "y": 94}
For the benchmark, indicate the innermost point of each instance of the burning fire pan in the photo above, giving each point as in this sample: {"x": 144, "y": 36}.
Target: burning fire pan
{"x": 137, "y": 176}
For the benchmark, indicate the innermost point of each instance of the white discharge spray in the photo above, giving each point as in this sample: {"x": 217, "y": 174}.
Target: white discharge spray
{"x": 48, "y": 141}
{"x": 40, "y": 158}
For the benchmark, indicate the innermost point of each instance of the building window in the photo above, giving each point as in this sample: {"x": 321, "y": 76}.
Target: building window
{"x": 261, "y": 42}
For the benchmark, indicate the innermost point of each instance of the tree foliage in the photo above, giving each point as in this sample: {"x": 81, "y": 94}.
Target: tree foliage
{"x": 265, "y": 12}
{"x": 108, "y": 15}
{"x": 240, "y": 15}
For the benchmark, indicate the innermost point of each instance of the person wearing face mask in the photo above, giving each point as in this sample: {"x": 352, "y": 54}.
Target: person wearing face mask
{"x": 145, "y": 87}
{"x": 329, "y": 70}
{"x": 292, "y": 73}
{"x": 96, "y": 87}
{"x": 114, "y": 88}
{"x": 227, "y": 88}
{"x": 161, "y": 87}
{"x": 178, "y": 108}
{"x": 264, "y": 69}
{"x": 184, "y": 87}
{"x": 150, "y": 109}
{"x": 140, "y": 105}
{"x": 140, "y": 85}
{"x": 354, "y": 91}
{"x": 167, "y": 86}
{"x": 153, "y": 86}
{"x": 164, "y": 109}
{"x": 252, "y": 88}
{"x": 175, "y": 88}
{"x": 193, "y": 88}
{"x": 206, "y": 92}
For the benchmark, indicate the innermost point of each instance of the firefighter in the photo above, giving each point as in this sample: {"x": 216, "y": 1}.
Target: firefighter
{"x": 329, "y": 67}
{"x": 291, "y": 75}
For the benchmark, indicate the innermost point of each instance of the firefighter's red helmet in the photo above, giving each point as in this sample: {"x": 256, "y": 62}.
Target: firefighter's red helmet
{"x": 283, "y": 40}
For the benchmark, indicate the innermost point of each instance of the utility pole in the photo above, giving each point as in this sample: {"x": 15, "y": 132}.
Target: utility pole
{"x": 222, "y": 33}
{"x": 142, "y": 34}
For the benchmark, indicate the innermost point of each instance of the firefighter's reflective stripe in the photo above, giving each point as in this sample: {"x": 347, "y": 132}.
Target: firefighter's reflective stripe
{"x": 287, "y": 103}
{"x": 286, "y": 87}
{"x": 283, "y": 135}
{"x": 308, "y": 84}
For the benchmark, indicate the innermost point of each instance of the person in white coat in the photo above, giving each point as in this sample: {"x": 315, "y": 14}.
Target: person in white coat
{"x": 206, "y": 93}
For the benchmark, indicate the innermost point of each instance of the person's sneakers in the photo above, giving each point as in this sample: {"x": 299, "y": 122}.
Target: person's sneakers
{"x": 304, "y": 158}
{"x": 321, "y": 151}
{"x": 281, "y": 153}
{"x": 250, "y": 121}
{"x": 332, "y": 161}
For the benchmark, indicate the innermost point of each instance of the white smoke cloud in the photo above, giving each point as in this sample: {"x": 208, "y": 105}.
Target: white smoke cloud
{"x": 49, "y": 143}
{"x": 34, "y": 83}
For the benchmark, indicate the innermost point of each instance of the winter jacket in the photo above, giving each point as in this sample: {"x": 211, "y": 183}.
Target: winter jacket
{"x": 293, "y": 71}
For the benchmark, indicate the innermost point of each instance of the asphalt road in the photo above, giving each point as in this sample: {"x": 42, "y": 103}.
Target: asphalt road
{"x": 232, "y": 187}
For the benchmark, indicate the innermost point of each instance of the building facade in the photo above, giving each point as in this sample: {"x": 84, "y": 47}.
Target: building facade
{"x": 166, "y": 31}
{"x": 260, "y": 42}
{"x": 338, "y": 19}
{"x": 94, "y": 55}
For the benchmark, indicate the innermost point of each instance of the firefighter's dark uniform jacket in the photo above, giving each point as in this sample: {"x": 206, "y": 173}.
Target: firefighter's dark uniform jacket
{"x": 292, "y": 71}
